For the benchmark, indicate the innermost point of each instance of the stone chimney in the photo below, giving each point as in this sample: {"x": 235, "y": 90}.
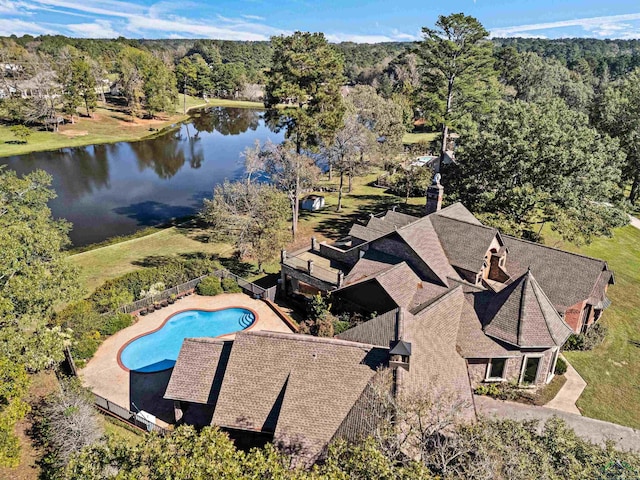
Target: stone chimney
{"x": 435, "y": 192}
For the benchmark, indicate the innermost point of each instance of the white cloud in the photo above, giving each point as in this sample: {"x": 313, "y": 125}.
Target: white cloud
{"x": 14, "y": 26}
{"x": 611, "y": 25}
{"x": 14, "y": 7}
{"x": 97, "y": 29}
{"x": 254, "y": 17}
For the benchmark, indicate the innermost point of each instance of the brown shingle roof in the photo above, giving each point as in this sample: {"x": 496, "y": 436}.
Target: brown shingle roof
{"x": 423, "y": 239}
{"x": 435, "y": 363}
{"x": 472, "y": 341}
{"x": 521, "y": 314}
{"x": 458, "y": 211}
{"x": 464, "y": 243}
{"x": 297, "y": 386}
{"x": 371, "y": 264}
{"x": 567, "y": 278}
{"x": 199, "y": 369}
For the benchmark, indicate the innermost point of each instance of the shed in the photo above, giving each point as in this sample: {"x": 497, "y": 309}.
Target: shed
{"x": 312, "y": 203}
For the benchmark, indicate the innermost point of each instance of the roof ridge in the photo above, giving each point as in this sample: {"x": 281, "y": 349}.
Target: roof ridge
{"x": 300, "y": 337}
{"x": 205, "y": 340}
{"x": 434, "y": 301}
{"x": 523, "y": 304}
{"x": 464, "y": 221}
{"x": 555, "y": 248}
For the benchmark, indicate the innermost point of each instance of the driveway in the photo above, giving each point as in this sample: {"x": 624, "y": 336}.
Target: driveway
{"x": 595, "y": 431}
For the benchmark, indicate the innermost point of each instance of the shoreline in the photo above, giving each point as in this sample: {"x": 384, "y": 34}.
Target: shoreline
{"x": 89, "y": 138}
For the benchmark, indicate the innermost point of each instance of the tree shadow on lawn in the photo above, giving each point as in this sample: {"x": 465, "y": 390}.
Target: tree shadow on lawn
{"x": 233, "y": 264}
{"x": 337, "y": 224}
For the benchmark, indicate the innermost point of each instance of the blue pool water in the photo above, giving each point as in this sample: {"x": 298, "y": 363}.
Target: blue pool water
{"x": 159, "y": 350}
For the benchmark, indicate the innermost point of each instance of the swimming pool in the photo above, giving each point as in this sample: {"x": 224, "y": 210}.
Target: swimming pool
{"x": 158, "y": 350}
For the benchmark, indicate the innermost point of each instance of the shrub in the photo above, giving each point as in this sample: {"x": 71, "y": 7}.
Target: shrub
{"x": 115, "y": 323}
{"x": 81, "y": 317}
{"x": 111, "y": 297}
{"x": 210, "y": 286}
{"x": 85, "y": 347}
{"x": 561, "y": 367}
{"x": 229, "y": 285}
{"x": 587, "y": 341}
{"x": 318, "y": 307}
{"x": 501, "y": 391}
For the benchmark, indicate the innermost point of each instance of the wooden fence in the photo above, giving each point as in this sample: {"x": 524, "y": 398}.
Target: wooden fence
{"x": 158, "y": 297}
{"x": 126, "y": 415}
{"x": 251, "y": 288}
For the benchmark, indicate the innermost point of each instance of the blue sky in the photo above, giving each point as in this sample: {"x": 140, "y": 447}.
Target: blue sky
{"x": 340, "y": 20}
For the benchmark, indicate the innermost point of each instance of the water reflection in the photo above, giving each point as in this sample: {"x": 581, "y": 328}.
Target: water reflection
{"x": 227, "y": 121}
{"x": 107, "y": 190}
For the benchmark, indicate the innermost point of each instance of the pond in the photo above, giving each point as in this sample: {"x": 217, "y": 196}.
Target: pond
{"x": 116, "y": 189}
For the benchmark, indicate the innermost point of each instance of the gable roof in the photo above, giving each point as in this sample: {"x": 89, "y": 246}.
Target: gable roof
{"x": 398, "y": 281}
{"x": 432, "y": 331}
{"x": 458, "y": 211}
{"x": 522, "y": 315}
{"x": 422, "y": 238}
{"x": 379, "y": 226}
{"x": 464, "y": 243}
{"x": 298, "y": 387}
{"x": 199, "y": 369}
{"x": 567, "y": 278}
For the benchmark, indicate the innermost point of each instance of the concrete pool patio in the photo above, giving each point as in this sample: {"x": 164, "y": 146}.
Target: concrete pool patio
{"x": 105, "y": 377}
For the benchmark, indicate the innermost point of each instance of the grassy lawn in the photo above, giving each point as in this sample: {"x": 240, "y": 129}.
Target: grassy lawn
{"x": 411, "y": 138}
{"x": 612, "y": 370}
{"x": 101, "y": 264}
{"x": 108, "y": 125}
{"x": 121, "y": 432}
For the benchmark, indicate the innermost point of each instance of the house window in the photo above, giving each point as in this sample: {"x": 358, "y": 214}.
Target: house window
{"x": 530, "y": 370}
{"x": 496, "y": 369}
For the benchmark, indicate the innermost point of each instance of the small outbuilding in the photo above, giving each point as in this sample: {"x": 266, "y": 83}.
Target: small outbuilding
{"x": 312, "y": 203}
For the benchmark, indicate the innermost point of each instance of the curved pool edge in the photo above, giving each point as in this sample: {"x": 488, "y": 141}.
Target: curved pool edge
{"x": 121, "y": 365}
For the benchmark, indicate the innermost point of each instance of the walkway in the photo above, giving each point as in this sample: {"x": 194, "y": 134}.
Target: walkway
{"x": 565, "y": 400}
{"x": 635, "y": 221}
{"x": 595, "y": 431}
{"x": 105, "y": 377}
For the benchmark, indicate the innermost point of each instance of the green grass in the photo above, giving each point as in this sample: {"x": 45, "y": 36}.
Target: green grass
{"x": 612, "y": 370}
{"x": 109, "y": 125}
{"x": 101, "y": 264}
{"x": 411, "y": 138}
{"x": 121, "y": 432}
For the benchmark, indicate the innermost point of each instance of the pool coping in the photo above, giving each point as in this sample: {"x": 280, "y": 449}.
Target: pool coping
{"x": 124, "y": 345}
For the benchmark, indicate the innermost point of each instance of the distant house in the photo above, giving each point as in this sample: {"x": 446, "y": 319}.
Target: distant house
{"x": 312, "y": 203}
{"x": 522, "y": 300}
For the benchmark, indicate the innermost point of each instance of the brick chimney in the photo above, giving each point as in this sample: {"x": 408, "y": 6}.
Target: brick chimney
{"x": 435, "y": 191}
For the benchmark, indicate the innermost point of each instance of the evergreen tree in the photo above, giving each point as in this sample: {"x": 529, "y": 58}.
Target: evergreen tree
{"x": 457, "y": 71}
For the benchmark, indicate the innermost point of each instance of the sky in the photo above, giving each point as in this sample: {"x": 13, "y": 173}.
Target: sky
{"x": 367, "y": 21}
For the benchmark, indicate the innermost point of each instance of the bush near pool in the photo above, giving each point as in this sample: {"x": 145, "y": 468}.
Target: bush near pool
{"x": 229, "y": 285}
{"x": 210, "y": 286}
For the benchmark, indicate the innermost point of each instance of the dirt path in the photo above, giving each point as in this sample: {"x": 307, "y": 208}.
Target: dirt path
{"x": 595, "y": 431}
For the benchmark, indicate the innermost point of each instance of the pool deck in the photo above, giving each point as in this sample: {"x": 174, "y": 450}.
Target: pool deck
{"x": 105, "y": 377}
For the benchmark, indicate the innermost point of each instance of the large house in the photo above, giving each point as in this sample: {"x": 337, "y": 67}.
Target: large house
{"x": 522, "y": 299}
{"x": 456, "y": 304}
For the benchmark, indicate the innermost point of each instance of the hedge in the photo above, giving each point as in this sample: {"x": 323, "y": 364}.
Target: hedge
{"x": 210, "y": 286}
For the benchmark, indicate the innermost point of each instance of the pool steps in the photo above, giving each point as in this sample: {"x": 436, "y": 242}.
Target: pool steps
{"x": 246, "y": 320}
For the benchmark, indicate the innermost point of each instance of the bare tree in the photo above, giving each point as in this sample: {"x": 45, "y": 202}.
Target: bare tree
{"x": 347, "y": 151}
{"x": 73, "y": 421}
{"x": 290, "y": 172}
{"x": 253, "y": 161}
{"x": 418, "y": 424}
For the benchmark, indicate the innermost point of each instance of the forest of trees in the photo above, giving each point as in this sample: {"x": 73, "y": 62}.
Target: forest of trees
{"x": 546, "y": 135}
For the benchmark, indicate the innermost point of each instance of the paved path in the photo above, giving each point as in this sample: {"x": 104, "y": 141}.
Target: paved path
{"x": 634, "y": 221}
{"x": 595, "y": 431}
{"x": 566, "y": 398}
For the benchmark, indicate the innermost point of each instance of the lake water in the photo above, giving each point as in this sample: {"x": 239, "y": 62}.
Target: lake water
{"x": 116, "y": 189}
